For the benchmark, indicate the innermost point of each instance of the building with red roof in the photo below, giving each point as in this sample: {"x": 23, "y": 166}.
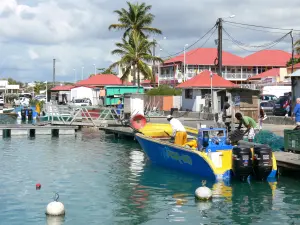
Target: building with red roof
{"x": 235, "y": 68}
{"x": 61, "y": 93}
{"x": 62, "y": 88}
{"x": 100, "y": 80}
{"x": 296, "y": 67}
{"x": 196, "y": 89}
{"x": 275, "y": 72}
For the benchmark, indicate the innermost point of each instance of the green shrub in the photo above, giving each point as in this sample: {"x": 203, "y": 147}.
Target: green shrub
{"x": 164, "y": 90}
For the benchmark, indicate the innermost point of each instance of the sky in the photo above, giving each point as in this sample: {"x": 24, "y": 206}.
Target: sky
{"x": 75, "y": 32}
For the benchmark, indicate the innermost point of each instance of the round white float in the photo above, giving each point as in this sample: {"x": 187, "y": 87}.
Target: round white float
{"x": 203, "y": 193}
{"x": 55, "y": 209}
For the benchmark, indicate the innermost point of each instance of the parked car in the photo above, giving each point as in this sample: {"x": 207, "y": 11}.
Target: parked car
{"x": 267, "y": 98}
{"x": 80, "y": 102}
{"x": 40, "y": 98}
{"x": 267, "y": 106}
{"x": 278, "y": 109}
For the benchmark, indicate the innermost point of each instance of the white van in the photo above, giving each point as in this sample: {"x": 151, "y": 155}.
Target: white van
{"x": 276, "y": 90}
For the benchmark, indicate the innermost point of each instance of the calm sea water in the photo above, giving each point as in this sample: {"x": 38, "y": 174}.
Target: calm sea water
{"x": 105, "y": 181}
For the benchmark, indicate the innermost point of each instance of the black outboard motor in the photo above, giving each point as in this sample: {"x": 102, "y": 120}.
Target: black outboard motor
{"x": 242, "y": 162}
{"x": 262, "y": 162}
{"x": 23, "y": 114}
{"x": 29, "y": 114}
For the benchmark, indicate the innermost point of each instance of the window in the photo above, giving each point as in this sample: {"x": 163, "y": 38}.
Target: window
{"x": 189, "y": 93}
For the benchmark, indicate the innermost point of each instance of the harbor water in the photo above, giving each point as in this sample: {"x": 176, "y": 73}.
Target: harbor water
{"x": 102, "y": 180}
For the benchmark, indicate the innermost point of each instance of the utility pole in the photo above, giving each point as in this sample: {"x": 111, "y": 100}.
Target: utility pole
{"x": 220, "y": 38}
{"x": 54, "y": 72}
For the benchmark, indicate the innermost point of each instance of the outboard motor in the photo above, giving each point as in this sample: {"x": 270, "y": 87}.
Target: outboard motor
{"x": 23, "y": 114}
{"x": 262, "y": 162}
{"x": 242, "y": 162}
{"x": 29, "y": 114}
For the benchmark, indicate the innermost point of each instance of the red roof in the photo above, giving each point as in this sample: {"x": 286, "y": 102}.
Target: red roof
{"x": 269, "y": 73}
{"x": 149, "y": 81}
{"x": 62, "y": 88}
{"x": 206, "y": 56}
{"x": 296, "y": 66}
{"x": 101, "y": 80}
{"x": 202, "y": 80}
{"x": 268, "y": 58}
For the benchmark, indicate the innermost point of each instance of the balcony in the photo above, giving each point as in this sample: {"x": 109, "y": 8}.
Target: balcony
{"x": 237, "y": 76}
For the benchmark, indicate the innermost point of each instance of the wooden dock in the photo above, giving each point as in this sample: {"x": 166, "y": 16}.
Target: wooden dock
{"x": 288, "y": 160}
{"x": 285, "y": 160}
{"x": 32, "y": 130}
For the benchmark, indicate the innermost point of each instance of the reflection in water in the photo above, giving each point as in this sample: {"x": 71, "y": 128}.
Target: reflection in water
{"x": 109, "y": 181}
{"x": 55, "y": 220}
{"x": 250, "y": 199}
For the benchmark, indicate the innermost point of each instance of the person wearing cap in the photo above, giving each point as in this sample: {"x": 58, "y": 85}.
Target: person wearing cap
{"x": 179, "y": 131}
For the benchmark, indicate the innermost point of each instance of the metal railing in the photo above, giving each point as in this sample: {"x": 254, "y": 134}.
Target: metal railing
{"x": 68, "y": 115}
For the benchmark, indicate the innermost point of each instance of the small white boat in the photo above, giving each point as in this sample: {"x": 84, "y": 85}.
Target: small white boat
{"x": 8, "y": 110}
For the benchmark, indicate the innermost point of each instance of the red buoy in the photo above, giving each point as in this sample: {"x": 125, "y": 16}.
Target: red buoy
{"x": 38, "y": 186}
{"x": 138, "y": 121}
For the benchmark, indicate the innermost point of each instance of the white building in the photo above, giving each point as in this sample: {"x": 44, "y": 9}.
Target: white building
{"x": 6, "y": 88}
{"x": 234, "y": 68}
{"x": 196, "y": 90}
{"x": 91, "y": 93}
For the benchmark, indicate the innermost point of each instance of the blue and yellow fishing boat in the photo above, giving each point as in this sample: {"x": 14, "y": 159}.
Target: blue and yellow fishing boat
{"x": 206, "y": 154}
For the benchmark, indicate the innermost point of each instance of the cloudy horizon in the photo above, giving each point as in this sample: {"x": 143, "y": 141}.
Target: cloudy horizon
{"x": 76, "y": 34}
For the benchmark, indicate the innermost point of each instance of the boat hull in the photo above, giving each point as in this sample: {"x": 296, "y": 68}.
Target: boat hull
{"x": 179, "y": 158}
{"x": 8, "y": 118}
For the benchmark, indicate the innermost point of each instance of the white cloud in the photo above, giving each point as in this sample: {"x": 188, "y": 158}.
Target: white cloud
{"x": 75, "y": 32}
{"x": 33, "y": 54}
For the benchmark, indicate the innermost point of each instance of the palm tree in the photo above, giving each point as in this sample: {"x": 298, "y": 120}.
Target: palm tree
{"x": 135, "y": 54}
{"x": 297, "y": 46}
{"x": 136, "y": 19}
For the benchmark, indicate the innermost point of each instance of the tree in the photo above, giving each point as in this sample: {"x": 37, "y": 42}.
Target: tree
{"x": 295, "y": 61}
{"x": 39, "y": 86}
{"x": 136, "y": 19}
{"x": 164, "y": 90}
{"x": 297, "y": 46}
{"x": 135, "y": 54}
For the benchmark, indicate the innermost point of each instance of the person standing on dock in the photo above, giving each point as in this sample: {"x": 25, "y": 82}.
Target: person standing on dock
{"x": 296, "y": 114}
{"x": 179, "y": 131}
{"x": 249, "y": 123}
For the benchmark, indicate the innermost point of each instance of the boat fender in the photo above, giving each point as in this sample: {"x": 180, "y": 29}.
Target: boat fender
{"x": 55, "y": 208}
{"x": 203, "y": 193}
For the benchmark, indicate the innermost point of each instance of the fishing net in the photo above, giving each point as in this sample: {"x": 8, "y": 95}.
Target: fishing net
{"x": 267, "y": 137}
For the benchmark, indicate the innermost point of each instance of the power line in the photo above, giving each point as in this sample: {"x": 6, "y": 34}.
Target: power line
{"x": 255, "y": 46}
{"x": 191, "y": 44}
{"x": 267, "y": 46}
{"x": 265, "y": 31}
{"x": 251, "y": 25}
{"x": 191, "y": 53}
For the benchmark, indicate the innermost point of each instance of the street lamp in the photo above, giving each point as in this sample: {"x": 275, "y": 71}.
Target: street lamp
{"x": 184, "y": 72}
{"x": 94, "y": 69}
{"x": 75, "y": 76}
{"x": 82, "y": 73}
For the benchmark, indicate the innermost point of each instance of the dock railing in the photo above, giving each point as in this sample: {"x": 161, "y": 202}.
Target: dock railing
{"x": 77, "y": 115}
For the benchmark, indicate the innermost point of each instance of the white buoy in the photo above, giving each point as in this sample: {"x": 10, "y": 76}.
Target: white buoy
{"x": 203, "y": 193}
{"x": 55, "y": 208}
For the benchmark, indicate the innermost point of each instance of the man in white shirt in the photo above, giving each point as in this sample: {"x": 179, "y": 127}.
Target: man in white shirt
{"x": 179, "y": 131}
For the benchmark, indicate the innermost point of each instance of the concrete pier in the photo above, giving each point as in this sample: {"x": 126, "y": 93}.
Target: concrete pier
{"x": 10, "y": 130}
